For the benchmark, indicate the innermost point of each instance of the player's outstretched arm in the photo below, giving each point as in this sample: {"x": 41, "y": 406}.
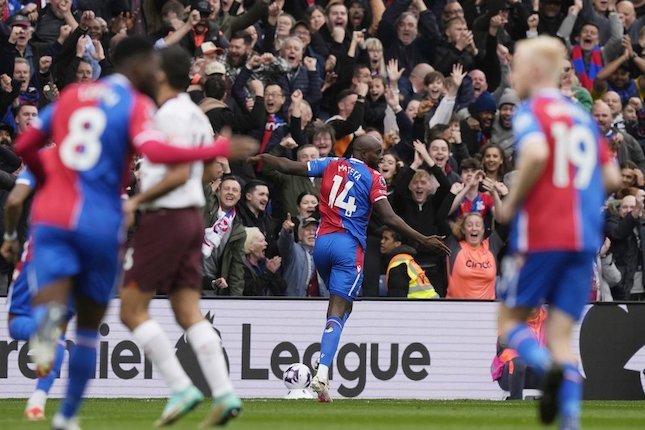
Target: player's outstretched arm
{"x": 282, "y": 164}
{"x": 388, "y": 217}
{"x": 157, "y": 151}
{"x": 28, "y": 146}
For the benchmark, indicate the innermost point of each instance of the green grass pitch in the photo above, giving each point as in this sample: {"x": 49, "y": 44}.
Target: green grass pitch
{"x": 131, "y": 414}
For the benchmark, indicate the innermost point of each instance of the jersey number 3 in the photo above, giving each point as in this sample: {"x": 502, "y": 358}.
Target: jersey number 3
{"x": 573, "y": 146}
{"x": 81, "y": 149}
{"x": 341, "y": 200}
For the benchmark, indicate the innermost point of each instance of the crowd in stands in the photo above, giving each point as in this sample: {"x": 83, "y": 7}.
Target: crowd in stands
{"x": 428, "y": 78}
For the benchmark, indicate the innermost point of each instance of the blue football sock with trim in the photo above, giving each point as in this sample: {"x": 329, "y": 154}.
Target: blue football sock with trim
{"x": 522, "y": 340}
{"x": 330, "y": 340}
{"x": 570, "y": 394}
{"x": 82, "y": 367}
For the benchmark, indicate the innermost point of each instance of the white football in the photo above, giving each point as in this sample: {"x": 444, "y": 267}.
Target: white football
{"x": 297, "y": 376}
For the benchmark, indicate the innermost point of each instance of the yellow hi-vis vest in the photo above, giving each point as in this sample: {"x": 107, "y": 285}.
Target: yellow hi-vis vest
{"x": 420, "y": 286}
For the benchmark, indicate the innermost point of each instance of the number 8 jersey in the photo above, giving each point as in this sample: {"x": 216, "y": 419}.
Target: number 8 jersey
{"x": 563, "y": 209}
{"x": 348, "y": 190}
{"x": 96, "y": 128}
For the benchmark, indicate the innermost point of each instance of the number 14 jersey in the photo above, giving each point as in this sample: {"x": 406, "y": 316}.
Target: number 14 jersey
{"x": 348, "y": 189}
{"x": 563, "y": 209}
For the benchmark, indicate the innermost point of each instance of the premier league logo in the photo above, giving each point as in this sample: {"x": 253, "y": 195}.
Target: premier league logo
{"x": 612, "y": 348}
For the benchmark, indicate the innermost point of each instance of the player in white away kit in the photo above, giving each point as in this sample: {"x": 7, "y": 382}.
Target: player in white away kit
{"x": 166, "y": 254}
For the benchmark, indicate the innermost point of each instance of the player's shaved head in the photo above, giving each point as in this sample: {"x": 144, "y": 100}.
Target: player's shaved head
{"x": 366, "y": 143}
{"x": 368, "y": 149}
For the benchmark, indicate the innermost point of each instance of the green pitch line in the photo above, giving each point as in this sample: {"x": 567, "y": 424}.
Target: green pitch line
{"x": 129, "y": 414}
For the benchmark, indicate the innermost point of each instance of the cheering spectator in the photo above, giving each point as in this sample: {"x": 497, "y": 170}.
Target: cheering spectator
{"x": 588, "y": 56}
{"x": 495, "y": 164}
{"x": 472, "y": 265}
{"x": 252, "y": 211}
{"x": 224, "y": 241}
{"x": 625, "y": 230}
{"x": 299, "y": 270}
{"x": 261, "y": 274}
{"x": 502, "y": 133}
{"x": 476, "y": 131}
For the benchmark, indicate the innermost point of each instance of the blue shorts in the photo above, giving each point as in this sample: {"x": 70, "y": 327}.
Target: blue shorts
{"x": 92, "y": 258}
{"x": 561, "y": 278}
{"x": 19, "y": 296}
{"x": 339, "y": 261}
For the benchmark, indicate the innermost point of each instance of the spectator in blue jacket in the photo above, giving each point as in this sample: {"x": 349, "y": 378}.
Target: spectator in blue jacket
{"x": 299, "y": 271}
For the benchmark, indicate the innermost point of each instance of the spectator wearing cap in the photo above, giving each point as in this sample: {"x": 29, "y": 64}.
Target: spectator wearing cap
{"x": 261, "y": 274}
{"x": 17, "y": 45}
{"x": 204, "y": 30}
{"x": 502, "y": 133}
{"x": 477, "y": 133}
{"x": 588, "y": 56}
{"x": 299, "y": 270}
{"x": 409, "y": 40}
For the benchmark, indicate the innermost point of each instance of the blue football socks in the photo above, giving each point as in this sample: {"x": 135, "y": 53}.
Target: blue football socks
{"x": 522, "y": 340}
{"x": 570, "y": 393}
{"x": 45, "y": 382}
{"x": 22, "y": 327}
{"x": 82, "y": 366}
{"x": 330, "y": 340}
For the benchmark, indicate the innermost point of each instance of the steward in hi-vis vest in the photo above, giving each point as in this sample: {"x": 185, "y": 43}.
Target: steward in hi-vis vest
{"x": 405, "y": 278}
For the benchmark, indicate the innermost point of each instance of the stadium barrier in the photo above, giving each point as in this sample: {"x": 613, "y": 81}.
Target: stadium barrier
{"x": 389, "y": 349}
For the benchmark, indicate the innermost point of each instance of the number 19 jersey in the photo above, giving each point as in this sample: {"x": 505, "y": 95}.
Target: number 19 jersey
{"x": 563, "y": 209}
{"x": 348, "y": 189}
